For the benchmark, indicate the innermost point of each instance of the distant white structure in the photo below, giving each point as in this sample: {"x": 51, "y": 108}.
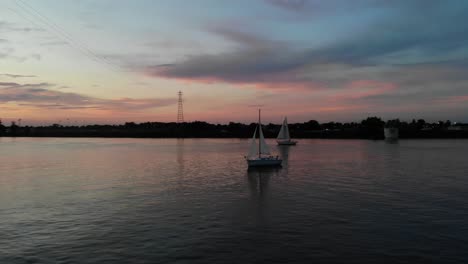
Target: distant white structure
{"x": 391, "y": 133}
{"x": 458, "y": 127}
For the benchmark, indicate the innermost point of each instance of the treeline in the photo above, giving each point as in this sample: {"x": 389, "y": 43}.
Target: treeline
{"x": 370, "y": 128}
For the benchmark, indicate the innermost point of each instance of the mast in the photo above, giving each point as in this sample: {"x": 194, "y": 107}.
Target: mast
{"x": 259, "y": 140}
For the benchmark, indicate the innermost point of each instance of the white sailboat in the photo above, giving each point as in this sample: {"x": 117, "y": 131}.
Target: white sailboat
{"x": 283, "y": 136}
{"x": 259, "y": 155}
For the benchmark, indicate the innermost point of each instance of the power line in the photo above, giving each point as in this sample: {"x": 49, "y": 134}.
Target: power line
{"x": 54, "y": 28}
{"x": 57, "y": 30}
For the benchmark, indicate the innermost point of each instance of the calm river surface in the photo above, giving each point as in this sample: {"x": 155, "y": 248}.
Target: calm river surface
{"x": 194, "y": 201}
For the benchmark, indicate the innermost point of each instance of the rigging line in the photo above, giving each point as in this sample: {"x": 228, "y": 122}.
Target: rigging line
{"x": 72, "y": 43}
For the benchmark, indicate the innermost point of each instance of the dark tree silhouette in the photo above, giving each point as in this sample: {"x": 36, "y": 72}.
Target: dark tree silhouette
{"x": 2, "y": 128}
{"x": 369, "y": 128}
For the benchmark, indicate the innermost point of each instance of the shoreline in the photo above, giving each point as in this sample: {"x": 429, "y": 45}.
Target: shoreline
{"x": 371, "y": 128}
{"x": 242, "y": 138}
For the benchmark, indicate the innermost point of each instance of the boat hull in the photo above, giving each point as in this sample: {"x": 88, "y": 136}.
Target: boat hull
{"x": 264, "y": 162}
{"x": 286, "y": 142}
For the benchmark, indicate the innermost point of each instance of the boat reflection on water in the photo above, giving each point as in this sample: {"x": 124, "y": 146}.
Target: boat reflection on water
{"x": 391, "y": 140}
{"x": 259, "y": 178}
{"x": 284, "y": 154}
{"x": 260, "y": 202}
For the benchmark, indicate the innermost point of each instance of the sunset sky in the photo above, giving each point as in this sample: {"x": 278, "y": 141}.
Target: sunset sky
{"x": 112, "y": 61}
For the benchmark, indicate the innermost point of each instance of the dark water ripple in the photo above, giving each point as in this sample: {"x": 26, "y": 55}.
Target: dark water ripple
{"x": 194, "y": 201}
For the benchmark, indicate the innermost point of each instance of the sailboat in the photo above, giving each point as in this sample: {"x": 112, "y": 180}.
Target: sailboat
{"x": 259, "y": 155}
{"x": 283, "y": 136}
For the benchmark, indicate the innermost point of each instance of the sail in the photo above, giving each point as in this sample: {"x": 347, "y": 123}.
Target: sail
{"x": 264, "y": 149}
{"x": 284, "y": 131}
{"x": 253, "y": 149}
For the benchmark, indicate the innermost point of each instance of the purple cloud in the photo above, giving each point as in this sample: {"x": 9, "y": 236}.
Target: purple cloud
{"x": 17, "y": 75}
{"x": 39, "y": 95}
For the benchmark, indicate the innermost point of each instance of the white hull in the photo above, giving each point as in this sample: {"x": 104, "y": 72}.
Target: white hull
{"x": 264, "y": 162}
{"x": 287, "y": 142}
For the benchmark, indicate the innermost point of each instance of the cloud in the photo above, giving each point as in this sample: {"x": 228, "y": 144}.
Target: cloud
{"x": 7, "y": 26}
{"x": 36, "y": 56}
{"x": 401, "y": 41}
{"x": 54, "y": 43}
{"x": 16, "y": 75}
{"x": 456, "y": 99}
{"x": 171, "y": 43}
{"x": 27, "y": 85}
{"x": 294, "y": 5}
{"x": 255, "y": 60}
{"x": 39, "y": 95}
{"x": 9, "y": 53}
{"x": 236, "y": 67}
{"x": 6, "y": 53}
{"x": 129, "y": 62}
{"x": 8, "y": 84}
{"x": 243, "y": 38}
{"x": 400, "y": 63}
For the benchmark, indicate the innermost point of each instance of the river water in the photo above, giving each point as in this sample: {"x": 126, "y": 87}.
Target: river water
{"x": 81, "y": 200}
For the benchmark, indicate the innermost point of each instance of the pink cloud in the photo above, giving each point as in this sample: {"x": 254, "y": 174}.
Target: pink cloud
{"x": 366, "y": 88}
{"x": 284, "y": 81}
{"x": 454, "y": 99}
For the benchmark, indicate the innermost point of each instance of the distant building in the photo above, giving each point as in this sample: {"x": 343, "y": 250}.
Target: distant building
{"x": 459, "y": 127}
{"x": 391, "y": 133}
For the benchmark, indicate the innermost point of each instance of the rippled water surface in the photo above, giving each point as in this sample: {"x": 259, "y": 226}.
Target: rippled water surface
{"x": 194, "y": 201}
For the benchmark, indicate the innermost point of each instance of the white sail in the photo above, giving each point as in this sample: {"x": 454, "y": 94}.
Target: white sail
{"x": 281, "y": 133}
{"x": 264, "y": 149}
{"x": 261, "y": 161}
{"x": 284, "y": 131}
{"x": 286, "y": 128}
{"x": 253, "y": 149}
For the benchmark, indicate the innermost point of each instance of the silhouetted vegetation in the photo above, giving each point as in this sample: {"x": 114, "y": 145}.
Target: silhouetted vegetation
{"x": 370, "y": 128}
{"x": 2, "y": 128}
